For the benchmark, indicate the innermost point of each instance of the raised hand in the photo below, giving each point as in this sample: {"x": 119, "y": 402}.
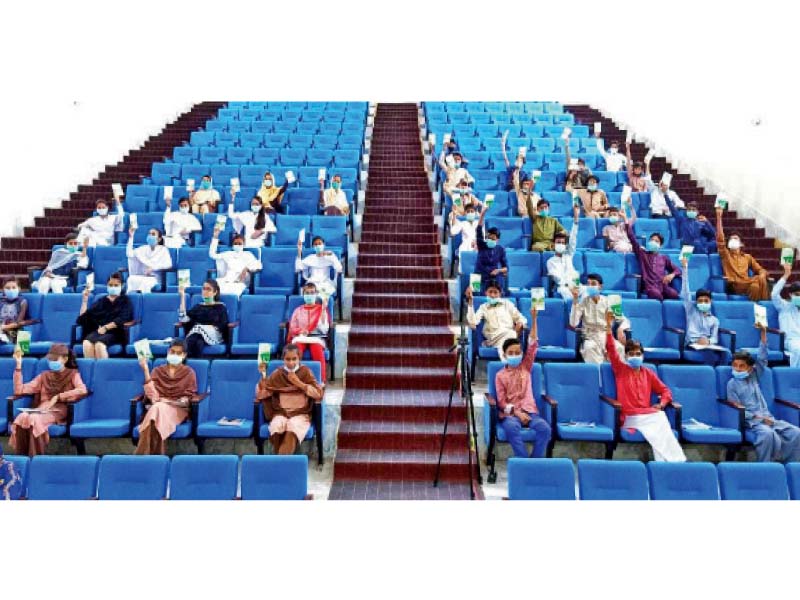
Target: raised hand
{"x": 609, "y": 319}
{"x": 787, "y": 270}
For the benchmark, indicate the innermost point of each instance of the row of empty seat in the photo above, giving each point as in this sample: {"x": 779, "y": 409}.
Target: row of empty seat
{"x": 513, "y": 108}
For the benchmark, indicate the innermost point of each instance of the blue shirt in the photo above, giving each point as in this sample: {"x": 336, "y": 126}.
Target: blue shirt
{"x": 748, "y": 391}
{"x": 700, "y": 234}
{"x": 698, "y": 324}
{"x": 489, "y": 259}
{"x": 788, "y": 313}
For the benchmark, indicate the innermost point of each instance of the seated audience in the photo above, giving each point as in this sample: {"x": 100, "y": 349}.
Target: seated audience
{"x": 63, "y": 260}
{"x": 693, "y": 228}
{"x": 615, "y": 233}
{"x": 560, "y": 267}
{"x": 103, "y": 324}
{"x": 737, "y": 266}
{"x": 146, "y": 261}
{"x": 205, "y": 199}
{"x": 100, "y": 229}
{"x": 52, "y": 390}
{"x": 333, "y": 200}
{"x": 614, "y": 160}
{"x": 581, "y": 171}
{"x": 502, "y": 320}
{"x": 454, "y": 170}
{"x": 702, "y": 328}
{"x": 638, "y": 173}
{"x": 287, "y": 398}
{"x": 467, "y": 228}
{"x": 13, "y": 310}
{"x": 181, "y": 225}
{"x": 491, "y": 263}
{"x": 543, "y": 226}
{"x": 309, "y": 326}
{"x": 658, "y": 195}
{"x": 272, "y": 196}
{"x": 463, "y": 195}
{"x": 657, "y": 269}
{"x": 514, "y": 170}
{"x": 590, "y": 314}
{"x": 316, "y": 268}
{"x": 234, "y": 266}
{"x": 205, "y": 324}
{"x": 256, "y": 223}
{"x": 594, "y": 200}
{"x": 523, "y": 187}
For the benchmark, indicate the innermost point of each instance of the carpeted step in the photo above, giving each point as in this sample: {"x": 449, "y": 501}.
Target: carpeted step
{"x": 400, "y": 260}
{"x": 387, "y": 272}
{"x": 428, "y": 337}
{"x": 439, "y": 302}
{"x": 407, "y": 465}
{"x": 371, "y": 249}
{"x": 405, "y": 318}
{"x": 399, "y": 286}
{"x": 399, "y": 357}
{"x": 401, "y": 436}
{"x": 387, "y": 378}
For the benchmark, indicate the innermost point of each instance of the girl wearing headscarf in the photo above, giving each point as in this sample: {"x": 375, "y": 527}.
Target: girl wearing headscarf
{"x": 63, "y": 260}
{"x": 271, "y": 196}
{"x": 206, "y": 323}
{"x": 255, "y": 222}
{"x": 235, "y": 266}
{"x": 146, "y": 261}
{"x": 13, "y": 311}
{"x": 309, "y": 326}
{"x": 104, "y": 323}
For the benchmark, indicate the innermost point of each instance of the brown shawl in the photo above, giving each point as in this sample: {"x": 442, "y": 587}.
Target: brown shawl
{"x": 270, "y": 389}
{"x": 55, "y": 382}
{"x": 182, "y": 385}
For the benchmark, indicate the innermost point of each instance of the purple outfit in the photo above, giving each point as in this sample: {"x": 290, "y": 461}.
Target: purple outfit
{"x": 654, "y": 267}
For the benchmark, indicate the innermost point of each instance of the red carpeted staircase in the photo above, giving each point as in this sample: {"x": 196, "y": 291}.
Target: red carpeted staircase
{"x": 762, "y": 248}
{"x": 399, "y": 363}
{"x": 33, "y": 250}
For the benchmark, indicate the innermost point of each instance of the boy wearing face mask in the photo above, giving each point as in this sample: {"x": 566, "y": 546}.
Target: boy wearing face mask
{"x": 560, "y": 267}
{"x": 316, "y": 268}
{"x": 502, "y": 320}
{"x": 514, "y": 174}
{"x": 271, "y": 195}
{"x": 103, "y": 324}
{"x": 789, "y": 314}
{"x": 491, "y": 262}
{"x": 454, "y": 171}
{"x": 657, "y": 269}
{"x": 146, "y": 261}
{"x": 590, "y": 314}
{"x": 576, "y": 179}
{"x": 775, "y": 440}
{"x": 99, "y": 230}
{"x": 516, "y": 406}
{"x": 693, "y": 228}
{"x": 702, "y": 328}
{"x": 179, "y": 226}
{"x": 467, "y": 228}
{"x": 287, "y": 398}
{"x": 51, "y": 391}
{"x": 256, "y": 223}
{"x": 466, "y": 197}
{"x": 737, "y": 266}
{"x": 638, "y": 173}
{"x": 615, "y": 233}
{"x": 543, "y": 226}
{"x": 13, "y": 310}
{"x": 235, "y": 266}
{"x": 168, "y": 392}
{"x": 614, "y": 160}
{"x": 63, "y": 260}
{"x": 205, "y": 199}
{"x": 635, "y": 385}
{"x": 524, "y": 186}
{"x": 658, "y": 200}
{"x": 594, "y": 200}
{"x": 333, "y": 200}
{"x": 309, "y": 325}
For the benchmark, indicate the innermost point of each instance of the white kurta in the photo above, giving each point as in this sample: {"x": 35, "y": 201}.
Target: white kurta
{"x": 593, "y": 316}
{"x": 336, "y": 198}
{"x": 57, "y": 283}
{"x": 247, "y": 221}
{"x": 656, "y": 430}
{"x": 175, "y": 224}
{"x": 658, "y": 206}
{"x": 140, "y": 260}
{"x": 316, "y": 269}
{"x": 561, "y": 269}
{"x": 230, "y": 265}
{"x": 614, "y": 161}
{"x": 100, "y": 230}
{"x": 202, "y": 198}
{"x": 468, "y": 234}
{"x": 499, "y": 322}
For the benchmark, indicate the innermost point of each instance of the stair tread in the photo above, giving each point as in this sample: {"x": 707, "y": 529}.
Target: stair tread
{"x": 381, "y": 427}
{"x": 347, "y": 455}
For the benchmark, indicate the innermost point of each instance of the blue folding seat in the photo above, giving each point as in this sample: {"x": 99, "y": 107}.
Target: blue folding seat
{"x": 348, "y": 158}
{"x": 164, "y": 173}
{"x": 555, "y": 161}
{"x": 325, "y": 142}
{"x": 274, "y": 477}
{"x": 308, "y": 177}
{"x": 262, "y": 127}
{"x": 464, "y": 132}
{"x": 545, "y": 479}
{"x": 577, "y": 411}
{"x": 196, "y": 172}
{"x": 226, "y": 138}
{"x": 289, "y": 227}
{"x": 159, "y": 314}
{"x": 533, "y": 131}
{"x": 319, "y": 157}
{"x": 737, "y": 332}
{"x": 302, "y": 201}
{"x": 555, "y": 132}
{"x": 239, "y": 156}
{"x": 285, "y": 127}
{"x": 580, "y": 131}
{"x": 253, "y": 175}
{"x": 222, "y": 174}
{"x": 133, "y": 477}
{"x": 548, "y": 182}
{"x": 199, "y": 264}
{"x": 695, "y": 388}
{"x": 62, "y": 478}
{"x": 278, "y": 275}
{"x": 479, "y": 160}
{"x": 299, "y": 141}
{"x": 612, "y": 479}
{"x": 279, "y": 139}
{"x": 515, "y": 143}
{"x": 494, "y": 107}
{"x": 350, "y": 141}
{"x": 752, "y": 481}
{"x": 543, "y": 120}
{"x": 233, "y": 389}
{"x": 105, "y": 413}
{"x": 211, "y": 155}
{"x": 260, "y": 317}
{"x": 470, "y": 145}
{"x": 512, "y": 231}
{"x": 332, "y": 229}
{"x": 574, "y": 146}
{"x": 787, "y": 394}
{"x": 206, "y": 235}
{"x": 606, "y": 181}
{"x": 477, "y": 350}
{"x": 683, "y": 481}
{"x": 611, "y": 267}
{"x": 644, "y": 228}
{"x": 234, "y": 127}
{"x": 202, "y": 138}
{"x": 310, "y": 128}
{"x": 524, "y": 272}
{"x": 59, "y": 312}
{"x": 544, "y": 145}
{"x": 229, "y": 114}
{"x": 216, "y": 125}
{"x": 251, "y": 140}
{"x": 534, "y": 108}
{"x": 564, "y": 119}
{"x": 140, "y": 198}
{"x": 292, "y": 156}
{"x": 204, "y": 477}
{"x": 7, "y": 367}
{"x": 661, "y": 343}
{"x": 466, "y": 266}
{"x": 487, "y": 131}
{"x": 349, "y": 178}
{"x": 587, "y": 234}
{"x": 184, "y": 155}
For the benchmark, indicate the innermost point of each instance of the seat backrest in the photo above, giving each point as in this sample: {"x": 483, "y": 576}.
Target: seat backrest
{"x": 233, "y": 389}
{"x": 752, "y": 481}
{"x": 108, "y": 260}
{"x": 646, "y": 320}
{"x": 62, "y": 477}
{"x": 787, "y": 383}
{"x": 586, "y": 230}
{"x": 524, "y": 269}
{"x": 695, "y": 388}
{"x": 737, "y": 316}
{"x": 274, "y": 477}
{"x": 207, "y": 477}
{"x": 612, "y": 480}
{"x": 332, "y": 229}
{"x": 133, "y": 477}
{"x": 609, "y": 265}
{"x": 278, "y": 268}
{"x": 644, "y": 228}
{"x": 544, "y": 479}
{"x": 159, "y": 315}
{"x": 260, "y": 316}
{"x": 551, "y": 323}
{"x": 59, "y": 312}
{"x": 289, "y": 227}
{"x": 674, "y": 314}
{"x": 114, "y": 383}
{"x": 7, "y": 367}
{"x": 511, "y": 230}
{"x": 683, "y": 481}
{"x": 576, "y": 388}
{"x": 793, "y": 479}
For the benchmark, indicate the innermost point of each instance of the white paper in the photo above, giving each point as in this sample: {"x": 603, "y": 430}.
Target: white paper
{"x": 134, "y": 222}
{"x": 167, "y": 192}
{"x": 627, "y": 193}
{"x": 687, "y": 251}
{"x": 615, "y": 304}
{"x": 536, "y": 175}
{"x": 184, "y": 277}
{"x": 446, "y": 138}
{"x": 649, "y": 156}
{"x": 116, "y": 189}
{"x": 628, "y": 137}
{"x": 301, "y": 236}
{"x": 537, "y": 298}
{"x": 598, "y": 127}
{"x": 760, "y": 313}
{"x": 90, "y": 281}
{"x": 321, "y": 175}
{"x": 488, "y": 199}
{"x": 432, "y": 139}
{"x": 695, "y": 424}
{"x": 189, "y": 185}
{"x": 230, "y": 422}
{"x": 475, "y": 282}
{"x": 666, "y": 178}
{"x": 523, "y": 151}
{"x": 721, "y": 202}
{"x": 566, "y": 133}
{"x": 264, "y": 351}
{"x": 290, "y": 178}
{"x": 706, "y": 347}
{"x": 142, "y": 349}
{"x": 787, "y": 256}
{"x": 221, "y": 220}
{"x": 235, "y": 184}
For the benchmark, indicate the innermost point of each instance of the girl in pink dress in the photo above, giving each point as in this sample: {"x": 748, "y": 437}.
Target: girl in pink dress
{"x": 309, "y": 326}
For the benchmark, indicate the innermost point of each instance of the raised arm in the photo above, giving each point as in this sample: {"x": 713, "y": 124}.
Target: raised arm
{"x": 686, "y": 295}
{"x": 720, "y": 233}
{"x": 679, "y": 217}
{"x": 632, "y": 238}
{"x": 503, "y": 146}
{"x": 779, "y": 302}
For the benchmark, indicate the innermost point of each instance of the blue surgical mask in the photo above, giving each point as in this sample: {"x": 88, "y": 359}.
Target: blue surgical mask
{"x": 174, "y": 359}
{"x": 55, "y": 365}
{"x": 238, "y": 248}
{"x": 184, "y": 210}
{"x": 613, "y": 220}
{"x": 309, "y": 298}
{"x": 544, "y": 212}
{"x": 514, "y": 361}
{"x": 691, "y": 214}
{"x": 740, "y": 374}
{"x": 152, "y": 240}
{"x": 255, "y": 208}
{"x": 471, "y": 217}
{"x": 796, "y": 301}
{"x": 336, "y": 185}
{"x": 636, "y": 361}
{"x": 592, "y": 187}
{"x": 319, "y": 248}
{"x": 494, "y": 301}
{"x": 102, "y": 212}
{"x": 114, "y": 290}
{"x": 704, "y": 307}
{"x": 268, "y": 183}
{"x": 72, "y": 248}
{"x": 206, "y": 185}
{"x": 12, "y": 294}
{"x": 491, "y": 243}
{"x": 653, "y": 246}
{"x": 592, "y": 291}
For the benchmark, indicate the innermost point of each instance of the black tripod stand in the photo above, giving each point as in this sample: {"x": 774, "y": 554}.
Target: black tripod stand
{"x": 462, "y": 381}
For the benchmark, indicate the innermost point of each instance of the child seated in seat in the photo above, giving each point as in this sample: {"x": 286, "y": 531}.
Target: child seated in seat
{"x": 63, "y": 260}
{"x": 309, "y": 325}
{"x": 13, "y": 310}
{"x": 502, "y": 319}
{"x": 333, "y": 201}
{"x": 316, "y": 268}
{"x": 256, "y": 223}
{"x": 179, "y": 226}
{"x": 491, "y": 263}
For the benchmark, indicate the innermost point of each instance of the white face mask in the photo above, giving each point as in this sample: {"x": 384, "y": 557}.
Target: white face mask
{"x": 102, "y": 212}
{"x": 560, "y": 248}
{"x": 734, "y": 244}
{"x": 613, "y": 150}
{"x": 288, "y": 370}
{"x": 184, "y": 210}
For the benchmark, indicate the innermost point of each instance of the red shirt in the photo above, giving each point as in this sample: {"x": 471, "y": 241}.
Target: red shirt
{"x": 513, "y": 384}
{"x": 635, "y": 386}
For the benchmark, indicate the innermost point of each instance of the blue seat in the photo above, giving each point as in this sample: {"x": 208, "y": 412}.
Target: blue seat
{"x": 578, "y": 414}
{"x": 695, "y": 389}
{"x": 524, "y": 272}
{"x": 557, "y": 341}
{"x": 159, "y": 315}
{"x": 195, "y": 172}
{"x": 793, "y": 479}
{"x": 107, "y": 260}
{"x": 644, "y": 228}
{"x": 274, "y": 477}
{"x": 611, "y": 267}
{"x": 202, "y": 138}
{"x": 512, "y": 231}
{"x": 239, "y": 156}
{"x": 289, "y": 227}
{"x": 350, "y": 141}
{"x": 105, "y": 413}
{"x": 252, "y": 140}
{"x": 612, "y": 479}
{"x": 347, "y": 158}
{"x": 164, "y": 173}
{"x": 117, "y": 350}
{"x": 752, "y": 481}
{"x": 7, "y": 367}
{"x": 308, "y": 177}
{"x": 560, "y": 203}
{"x": 303, "y": 201}
{"x": 660, "y": 342}
{"x": 683, "y": 481}
{"x": 185, "y": 155}
{"x": 222, "y": 174}
{"x": 541, "y": 479}
{"x": 233, "y": 390}
{"x": 133, "y": 478}
{"x": 587, "y": 232}
{"x": 63, "y": 478}
{"x": 59, "y": 312}
{"x": 204, "y": 477}
{"x": 262, "y": 127}
{"x": 21, "y": 468}
{"x": 736, "y": 330}
{"x": 293, "y": 156}
{"x": 221, "y": 138}
{"x": 140, "y": 197}
{"x": 320, "y": 157}
{"x": 786, "y": 395}
{"x": 211, "y": 155}
{"x": 260, "y": 317}
{"x": 606, "y": 180}
{"x": 278, "y": 275}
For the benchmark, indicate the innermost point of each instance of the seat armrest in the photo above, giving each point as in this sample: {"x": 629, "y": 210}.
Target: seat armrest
{"x": 738, "y": 407}
{"x": 788, "y": 403}
{"x": 781, "y": 338}
{"x": 198, "y": 398}
{"x": 611, "y": 401}
{"x": 490, "y": 400}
